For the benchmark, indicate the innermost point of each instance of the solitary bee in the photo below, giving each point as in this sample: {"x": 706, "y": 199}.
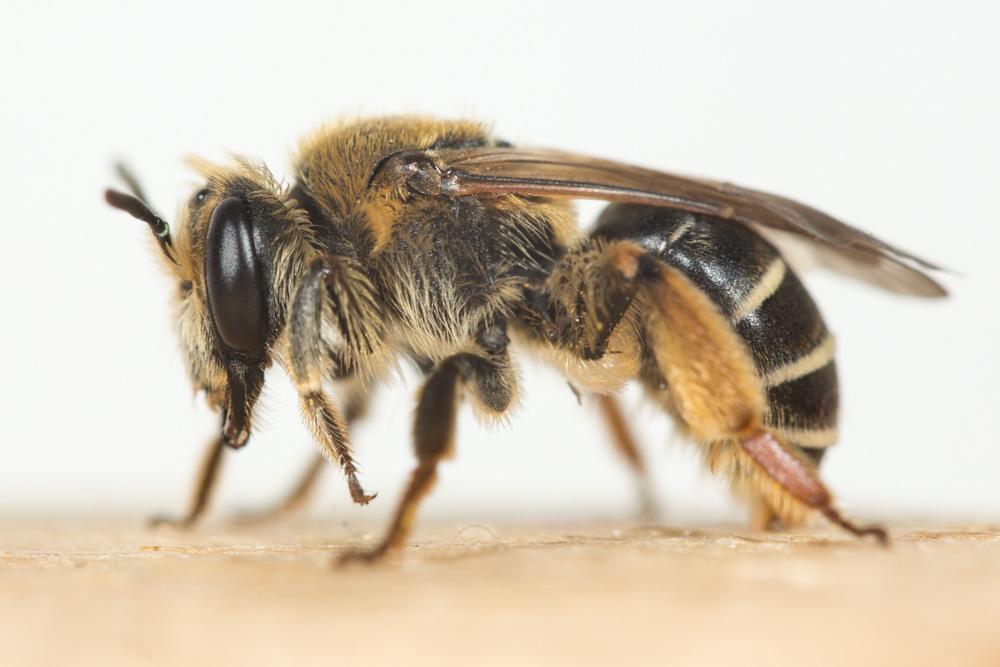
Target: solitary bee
{"x": 431, "y": 240}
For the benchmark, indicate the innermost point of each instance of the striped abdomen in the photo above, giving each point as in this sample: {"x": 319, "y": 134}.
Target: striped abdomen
{"x": 765, "y": 302}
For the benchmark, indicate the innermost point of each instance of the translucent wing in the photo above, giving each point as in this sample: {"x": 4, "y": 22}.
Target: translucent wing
{"x": 488, "y": 171}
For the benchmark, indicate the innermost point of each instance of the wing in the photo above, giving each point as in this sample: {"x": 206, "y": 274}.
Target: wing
{"x": 494, "y": 171}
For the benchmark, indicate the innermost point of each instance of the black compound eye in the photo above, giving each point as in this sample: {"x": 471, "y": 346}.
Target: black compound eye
{"x": 234, "y": 279}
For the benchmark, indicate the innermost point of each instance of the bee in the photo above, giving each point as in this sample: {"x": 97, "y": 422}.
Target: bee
{"x": 407, "y": 237}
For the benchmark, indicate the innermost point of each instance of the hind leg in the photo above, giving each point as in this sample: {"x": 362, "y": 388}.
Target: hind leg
{"x": 715, "y": 390}
{"x": 708, "y": 379}
{"x": 764, "y": 516}
{"x": 613, "y": 292}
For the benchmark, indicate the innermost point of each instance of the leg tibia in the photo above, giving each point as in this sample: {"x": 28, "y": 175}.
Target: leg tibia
{"x": 624, "y": 442}
{"x": 205, "y": 483}
{"x": 491, "y": 382}
{"x": 716, "y": 391}
{"x": 330, "y": 432}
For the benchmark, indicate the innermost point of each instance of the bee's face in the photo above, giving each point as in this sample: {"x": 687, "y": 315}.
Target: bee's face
{"x": 240, "y": 246}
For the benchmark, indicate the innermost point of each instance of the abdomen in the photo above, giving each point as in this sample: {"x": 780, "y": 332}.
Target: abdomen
{"x": 764, "y": 302}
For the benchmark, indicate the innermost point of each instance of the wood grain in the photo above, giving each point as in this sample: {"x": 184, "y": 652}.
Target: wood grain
{"x": 108, "y": 593}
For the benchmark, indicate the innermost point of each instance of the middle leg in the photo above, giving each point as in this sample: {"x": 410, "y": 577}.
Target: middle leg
{"x": 491, "y": 382}
{"x": 625, "y": 444}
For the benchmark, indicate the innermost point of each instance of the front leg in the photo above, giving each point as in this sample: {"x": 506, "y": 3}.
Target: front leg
{"x": 205, "y": 482}
{"x": 306, "y": 362}
{"x": 355, "y": 407}
{"x": 491, "y": 381}
{"x": 244, "y": 384}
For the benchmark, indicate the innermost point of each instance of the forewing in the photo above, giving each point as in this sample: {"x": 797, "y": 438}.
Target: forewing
{"x": 538, "y": 172}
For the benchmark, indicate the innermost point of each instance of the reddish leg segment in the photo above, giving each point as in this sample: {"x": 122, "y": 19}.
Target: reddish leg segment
{"x": 800, "y": 480}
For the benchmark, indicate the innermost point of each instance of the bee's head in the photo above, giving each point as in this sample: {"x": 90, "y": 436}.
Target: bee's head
{"x": 234, "y": 253}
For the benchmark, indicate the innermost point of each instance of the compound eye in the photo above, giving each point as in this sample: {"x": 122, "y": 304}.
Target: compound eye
{"x": 234, "y": 280}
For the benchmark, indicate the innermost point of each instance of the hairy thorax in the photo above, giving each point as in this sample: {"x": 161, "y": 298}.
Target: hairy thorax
{"x": 450, "y": 270}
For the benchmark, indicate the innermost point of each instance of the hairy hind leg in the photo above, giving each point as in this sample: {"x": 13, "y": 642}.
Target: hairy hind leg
{"x": 704, "y": 372}
{"x": 764, "y": 516}
{"x": 716, "y": 392}
{"x": 798, "y": 477}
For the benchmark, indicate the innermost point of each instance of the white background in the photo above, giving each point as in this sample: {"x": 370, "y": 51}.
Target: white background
{"x": 883, "y": 114}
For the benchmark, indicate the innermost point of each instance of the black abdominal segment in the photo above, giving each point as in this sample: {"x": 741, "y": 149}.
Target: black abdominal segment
{"x": 746, "y": 278}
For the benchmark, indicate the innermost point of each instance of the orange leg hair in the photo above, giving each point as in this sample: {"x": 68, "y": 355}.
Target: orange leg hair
{"x": 719, "y": 397}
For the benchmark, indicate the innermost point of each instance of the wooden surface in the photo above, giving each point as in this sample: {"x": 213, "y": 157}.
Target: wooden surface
{"x": 107, "y": 593}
